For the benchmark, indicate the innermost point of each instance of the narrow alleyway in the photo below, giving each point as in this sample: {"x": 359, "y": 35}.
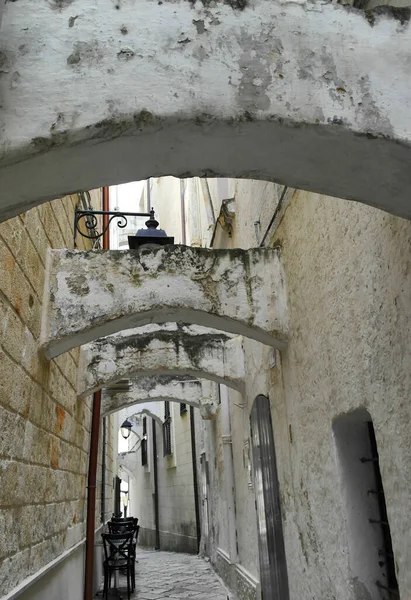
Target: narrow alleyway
{"x": 173, "y": 576}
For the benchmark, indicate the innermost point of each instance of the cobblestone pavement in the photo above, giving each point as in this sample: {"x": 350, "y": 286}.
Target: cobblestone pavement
{"x": 173, "y": 576}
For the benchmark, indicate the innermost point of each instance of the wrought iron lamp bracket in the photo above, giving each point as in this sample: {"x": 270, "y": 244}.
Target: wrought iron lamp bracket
{"x": 90, "y": 220}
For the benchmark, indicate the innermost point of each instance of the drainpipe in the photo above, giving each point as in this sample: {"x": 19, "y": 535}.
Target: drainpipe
{"x": 192, "y": 422}
{"x": 195, "y": 480}
{"x": 228, "y": 472}
{"x": 103, "y": 473}
{"x": 183, "y": 213}
{"x": 106, "y": 246}
{"x": 91, "y": 496}
{"x": 156, "y": 519}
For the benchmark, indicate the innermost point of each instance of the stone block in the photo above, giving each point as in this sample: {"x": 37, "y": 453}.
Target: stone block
{"x": 9, "y": 531}
{"x": 12, "y": 334}
{"x": 66, "y": 227}
{"x": 12, "y": 434}
{"x": 37, "y": 445}
{"x": 10, "y": 489}
{"x": 51, "y": 227}
{"x": 13, "y": 569}
{"x": 14, "y": 385}
{"x": 34, "y": 228}
{"x": 32, "y": 484}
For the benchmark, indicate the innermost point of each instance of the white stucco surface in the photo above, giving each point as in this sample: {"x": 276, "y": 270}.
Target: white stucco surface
{"x": 146, "y": 391}
{"x": 348, "y": 282}
{"x": 311, "y": 94}
{"x": 167, "y": 350}
{"x": 93, "y": 294}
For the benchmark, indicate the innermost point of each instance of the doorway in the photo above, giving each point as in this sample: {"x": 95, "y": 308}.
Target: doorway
{"x": 273, "y": 566}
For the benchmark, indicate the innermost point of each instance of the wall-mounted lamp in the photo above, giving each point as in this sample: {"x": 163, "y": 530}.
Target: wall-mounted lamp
{"x": 151, "y": 235}
{"x": 125, "y": 429}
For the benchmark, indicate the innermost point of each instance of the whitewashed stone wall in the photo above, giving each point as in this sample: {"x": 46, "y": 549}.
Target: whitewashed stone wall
{"x": 177, "y": 521}
{"x": 347, "y": 271}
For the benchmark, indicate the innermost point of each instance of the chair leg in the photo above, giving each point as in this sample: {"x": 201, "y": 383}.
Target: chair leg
{"x": 128, "y": 582}
{"x": 105, "y": 591}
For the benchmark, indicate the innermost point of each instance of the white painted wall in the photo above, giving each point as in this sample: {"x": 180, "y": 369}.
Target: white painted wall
{"x": 282, "y": 91}
{"x": 175, "y": 482}
{"x": 347, "y": 277}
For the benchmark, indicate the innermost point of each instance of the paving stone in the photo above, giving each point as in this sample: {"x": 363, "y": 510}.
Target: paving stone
{"x": 172, "y": 576}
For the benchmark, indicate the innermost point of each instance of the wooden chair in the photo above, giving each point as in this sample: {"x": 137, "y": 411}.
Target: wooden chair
{"x": 118, "y": 556}
{"x": 127, "y": 527}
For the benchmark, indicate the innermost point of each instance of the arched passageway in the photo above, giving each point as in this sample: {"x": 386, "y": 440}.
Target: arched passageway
{"x": 164, "y": 388}
{"x": 95, "y": 294}
{"x": 168, "y": 350}
{"x": 316, "y": 97}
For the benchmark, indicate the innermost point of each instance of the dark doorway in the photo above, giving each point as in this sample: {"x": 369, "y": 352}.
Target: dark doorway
{"x": 273, "y": 566}
{"x": 369, "y": 536}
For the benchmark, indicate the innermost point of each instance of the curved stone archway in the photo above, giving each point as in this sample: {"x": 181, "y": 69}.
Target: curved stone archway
{"x": 315, "y": 96}
{"x": 168, "y": 350}
{"x": 97, "y": 293}
{"x": 149, "y": 412}
{"x": 152, "y": 389}
{"x": 148, "y": 390}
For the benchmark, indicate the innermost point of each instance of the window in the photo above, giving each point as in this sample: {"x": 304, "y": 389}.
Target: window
{"x": 369, "y": 536}
{"x": 183, "y": 408}
{"x": 144, "y": 444}
{"x": 167, "y": 429}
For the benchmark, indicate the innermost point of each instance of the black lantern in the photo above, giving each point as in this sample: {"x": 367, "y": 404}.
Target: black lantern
{"x": 151, "y": 235}
{"x": 125, "y": 429}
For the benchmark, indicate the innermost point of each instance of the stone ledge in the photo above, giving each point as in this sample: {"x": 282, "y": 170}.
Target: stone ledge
{"x": 29, "y": 581}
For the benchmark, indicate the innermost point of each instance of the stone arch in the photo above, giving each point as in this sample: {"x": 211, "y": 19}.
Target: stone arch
{"x": 168, "y": 350}
{"x": 93, "y": 294}
{"x": 149, "y": 413}
{"x": 266, "y": 92}
{"x": 143, "y": 391}
{"x": 152, "y": 389}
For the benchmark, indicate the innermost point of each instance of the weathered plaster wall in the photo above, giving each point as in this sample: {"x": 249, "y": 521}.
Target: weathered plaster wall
{"x": 142, "y": 487}
{"x": 175, "y": 481}
{"x": 352, "y": 351}
{"x": 296, "y": 92}
{"x": 348, "y": 283}
{"x": 145, "y": 389}
{"x": 161, "y": 388}
{"x": 170, "y": 349}
{"x": 176, "y": 495}
{"x": 44, "y": 438}
{"x": 89, "y": 295}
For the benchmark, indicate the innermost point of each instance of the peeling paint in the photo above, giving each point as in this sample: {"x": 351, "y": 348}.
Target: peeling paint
{"x": 126, "y": 54}
{"x": 200, "y": 26}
